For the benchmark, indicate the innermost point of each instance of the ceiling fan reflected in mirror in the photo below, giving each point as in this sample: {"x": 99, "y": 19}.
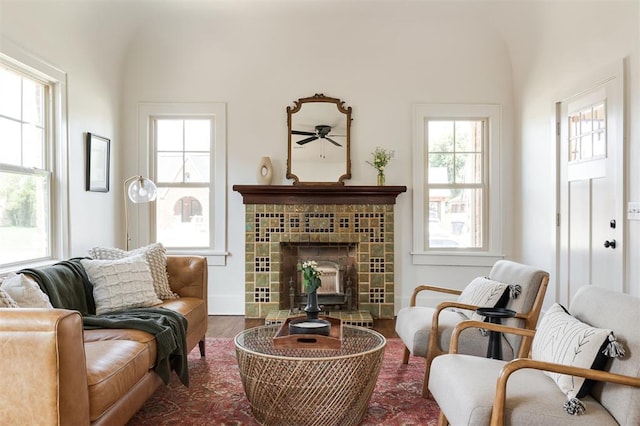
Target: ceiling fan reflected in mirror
{"x": 322, "y": 132}
{"x": 318, "y": 118}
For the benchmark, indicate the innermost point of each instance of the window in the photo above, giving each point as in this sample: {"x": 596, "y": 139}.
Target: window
{"x": 183, "y": 176}
{"x": 456, "y": 192}
{"x": 31, "y": 193}
{"x": 587, "y": 133}
{"x": 455, "y": 185}
{"x": 187, "y": 142}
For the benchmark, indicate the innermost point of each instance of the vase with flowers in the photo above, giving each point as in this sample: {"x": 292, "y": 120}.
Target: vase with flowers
{"x": 311, "y": 280}
{"x": 311, "y": 324}
{"x": 381, "y": 158}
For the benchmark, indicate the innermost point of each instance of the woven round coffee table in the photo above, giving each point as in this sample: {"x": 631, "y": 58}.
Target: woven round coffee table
{"x": 288, "y": 386}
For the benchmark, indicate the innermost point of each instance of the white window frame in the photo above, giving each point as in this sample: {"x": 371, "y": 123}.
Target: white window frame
{"x": 56, "y": 149}
{"x": 217, "y": 253}
{"x": 493, "y": 222}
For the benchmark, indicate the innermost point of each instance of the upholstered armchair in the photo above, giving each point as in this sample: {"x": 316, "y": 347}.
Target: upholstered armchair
{"x": 597, "y": 339}
{"x": 426, "y": 331}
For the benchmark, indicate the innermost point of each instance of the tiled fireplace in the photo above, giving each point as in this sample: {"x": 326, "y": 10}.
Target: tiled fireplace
{"x": 351, "y": 227}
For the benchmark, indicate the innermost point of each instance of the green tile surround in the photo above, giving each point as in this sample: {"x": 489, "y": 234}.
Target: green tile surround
{"x": 368, "y": 226}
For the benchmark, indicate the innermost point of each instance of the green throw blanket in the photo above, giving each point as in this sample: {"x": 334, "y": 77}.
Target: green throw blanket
{"x": 168, "y": 326}
{"x": 68, "y": 287}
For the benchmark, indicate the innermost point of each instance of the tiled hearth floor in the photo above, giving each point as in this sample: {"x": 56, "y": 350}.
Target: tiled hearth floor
{"x": 230, "y": 325}
{"x": 359, "y": 318}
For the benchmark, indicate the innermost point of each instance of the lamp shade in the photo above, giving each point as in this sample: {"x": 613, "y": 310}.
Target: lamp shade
{"x": 142, "y": 190}
{"x": 139, "y": 190}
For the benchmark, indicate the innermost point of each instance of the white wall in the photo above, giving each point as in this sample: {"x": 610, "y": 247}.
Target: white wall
{"x": 259, "y": 59}
{"x": 380, "y": 57}
{"x": 554, "y": 46}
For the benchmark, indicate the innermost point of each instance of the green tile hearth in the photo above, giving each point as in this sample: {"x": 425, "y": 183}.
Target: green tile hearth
{"x": 357, "y": 318}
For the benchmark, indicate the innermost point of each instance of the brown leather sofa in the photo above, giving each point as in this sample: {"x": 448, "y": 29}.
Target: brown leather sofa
{"x": 52, "y": 372}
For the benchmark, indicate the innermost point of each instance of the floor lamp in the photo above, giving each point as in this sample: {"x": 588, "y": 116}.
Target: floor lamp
{"x": 137, "y": 189}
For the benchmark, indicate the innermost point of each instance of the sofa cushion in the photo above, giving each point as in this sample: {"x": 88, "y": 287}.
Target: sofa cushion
{"x": 121, "y": 284}
{"x": 113, "y": 366}
{"x": 25, "y": 292}
{"x": 156, "y": 257}
{"x": 191, "y": 307}
{"x": 139, "y": 336}
{"x": 563, "y": 339}
{"x": 193, "y": 310}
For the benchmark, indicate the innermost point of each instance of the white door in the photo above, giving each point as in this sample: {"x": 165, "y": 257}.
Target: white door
{"x": 591, "y": 151}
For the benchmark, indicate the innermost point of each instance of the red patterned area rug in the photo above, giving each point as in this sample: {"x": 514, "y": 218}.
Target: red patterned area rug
{"x": 216, "y": 397}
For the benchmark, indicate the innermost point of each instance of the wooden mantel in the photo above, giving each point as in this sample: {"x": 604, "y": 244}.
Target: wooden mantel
{"x": 318, "y": 194}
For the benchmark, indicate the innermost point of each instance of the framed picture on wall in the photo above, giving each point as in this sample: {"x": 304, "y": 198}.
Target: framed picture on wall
{"x": 97, "y": 163}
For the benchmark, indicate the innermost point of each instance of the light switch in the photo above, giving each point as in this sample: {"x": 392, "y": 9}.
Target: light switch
{"x": 633, "y": 210}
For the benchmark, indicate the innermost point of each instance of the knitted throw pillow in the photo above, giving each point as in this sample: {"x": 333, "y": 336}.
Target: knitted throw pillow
{"x": 6, "y": 301}
{"x": 156, "y": 257}
{"x": 121, "y": 284}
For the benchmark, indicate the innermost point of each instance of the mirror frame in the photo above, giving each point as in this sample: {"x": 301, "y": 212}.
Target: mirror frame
{"x": 297, "y": 106}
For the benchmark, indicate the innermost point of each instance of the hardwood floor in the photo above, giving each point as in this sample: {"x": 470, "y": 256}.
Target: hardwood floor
{"x": 230, "y": 325}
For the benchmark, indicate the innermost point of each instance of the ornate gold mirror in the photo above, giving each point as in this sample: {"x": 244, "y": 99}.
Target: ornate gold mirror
{"x": 319, "y": 141}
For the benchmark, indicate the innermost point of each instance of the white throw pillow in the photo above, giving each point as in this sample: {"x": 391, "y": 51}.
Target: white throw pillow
{"x": 25, "y": 292}
{"x": 563, "y": 339}
{"x": 483, "y": 292}
{"x": 156, "y": 257}
{"x": 6, "y": 301}
{"x": 121, "y": 284}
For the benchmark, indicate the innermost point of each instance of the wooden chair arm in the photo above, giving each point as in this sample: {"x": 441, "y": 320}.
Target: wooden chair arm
{"x": 444, "y": 305}
{"x": 451, "y": 304}
{"x": 435, "y": 319}
{"x": 497, "y": 414}
{"x": 455, "y": 336}
{"x": 421, "y": 288}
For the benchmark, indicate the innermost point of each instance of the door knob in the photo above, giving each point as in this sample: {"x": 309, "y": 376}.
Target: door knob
{"x": 611, "y": 244}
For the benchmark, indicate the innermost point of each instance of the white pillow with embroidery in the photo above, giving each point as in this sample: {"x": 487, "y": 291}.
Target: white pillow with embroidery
{"x": 485, "y": 293}
{"x": 121, "y": 284}
{"x": 25, "y": 292}
{"x": 563, "y": 339}
{"x": 156, "y": 257}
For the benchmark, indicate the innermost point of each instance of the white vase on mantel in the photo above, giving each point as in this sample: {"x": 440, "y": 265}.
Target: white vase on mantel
{"x": 265, "y": 171}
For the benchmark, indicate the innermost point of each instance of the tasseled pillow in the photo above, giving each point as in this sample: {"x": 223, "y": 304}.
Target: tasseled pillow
{"x": 563, "y": 339}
